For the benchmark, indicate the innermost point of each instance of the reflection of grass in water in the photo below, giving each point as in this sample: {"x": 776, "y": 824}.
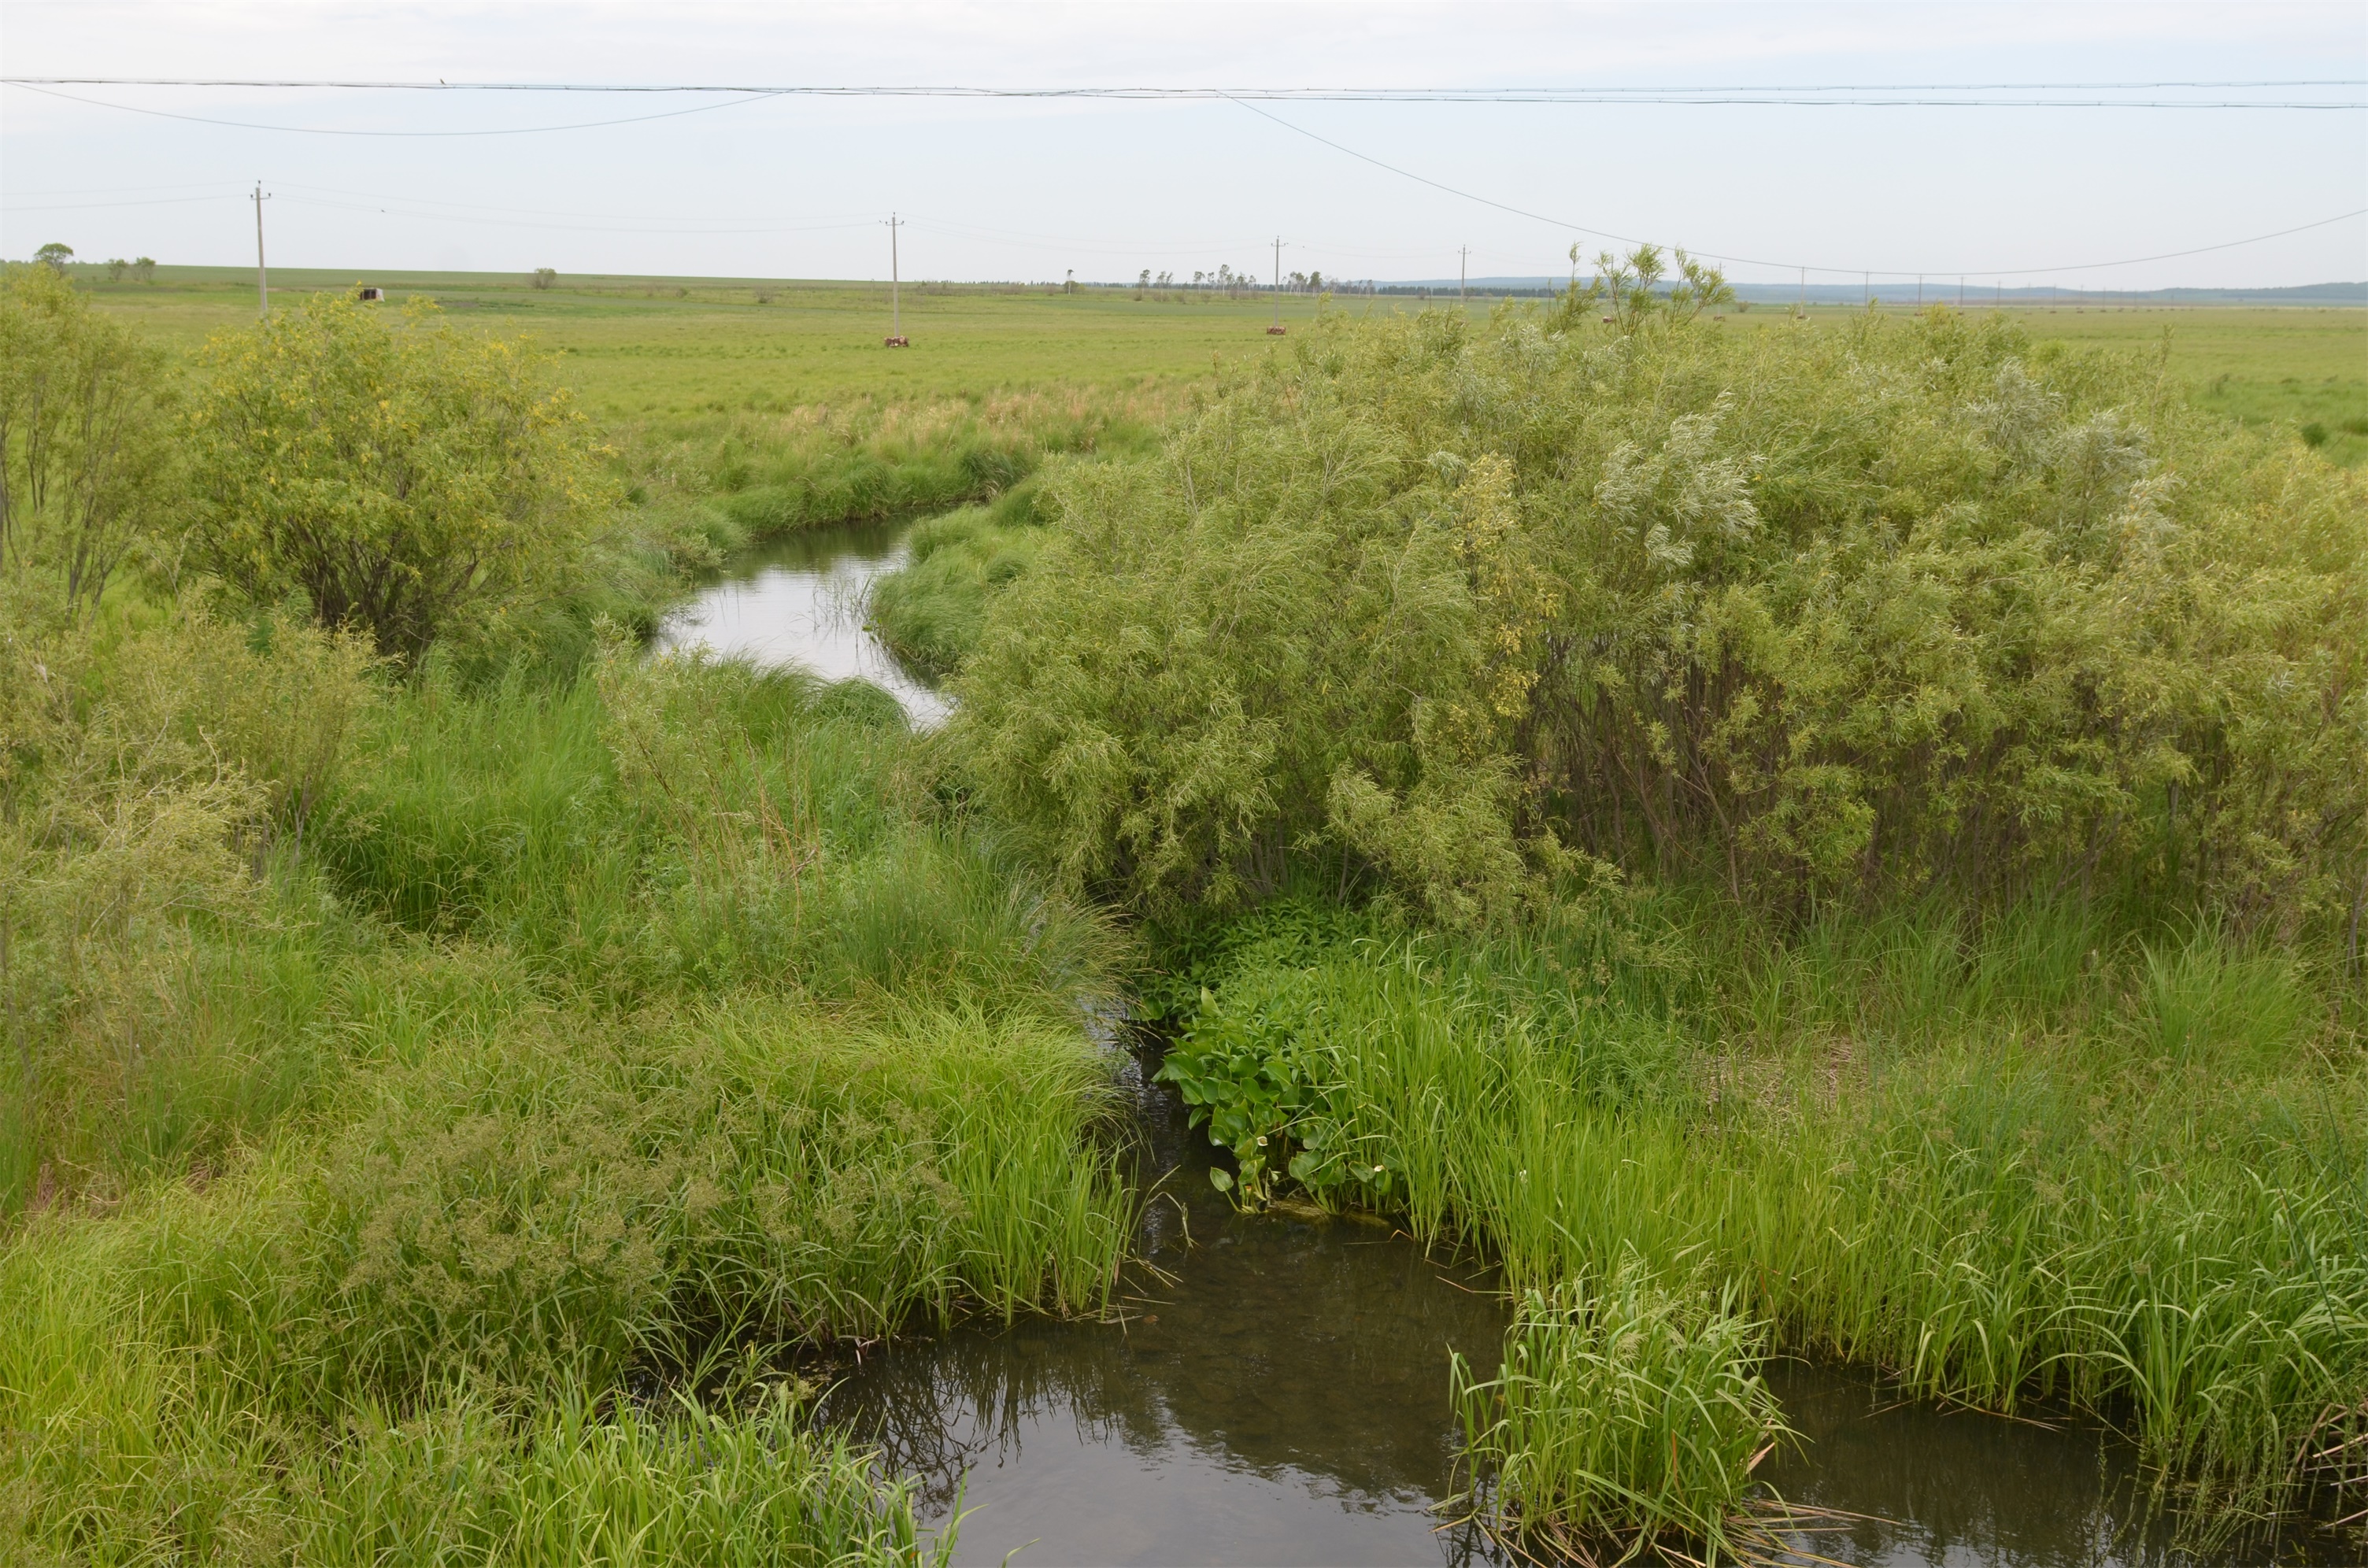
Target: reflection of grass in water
{"x": 2011, "y": 1164}
{"x": 1311, "y": 1357}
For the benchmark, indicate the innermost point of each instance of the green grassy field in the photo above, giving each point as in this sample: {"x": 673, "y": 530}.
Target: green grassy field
{"x": 654, "y": 351}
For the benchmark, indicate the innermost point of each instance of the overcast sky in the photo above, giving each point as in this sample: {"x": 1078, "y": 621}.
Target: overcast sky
{"x": 1003, "y": 190}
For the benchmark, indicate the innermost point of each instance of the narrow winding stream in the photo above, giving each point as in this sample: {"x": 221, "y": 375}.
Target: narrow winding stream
{"x": 1277, "y": 1393}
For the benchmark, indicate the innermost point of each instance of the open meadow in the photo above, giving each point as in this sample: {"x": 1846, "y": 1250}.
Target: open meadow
{"x": 662, "y": 349}
{"x": 1842, "y": 839}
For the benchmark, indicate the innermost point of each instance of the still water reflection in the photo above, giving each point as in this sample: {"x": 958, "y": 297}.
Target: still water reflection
{"x": 801, "y": 600}
{"x": 1276, "y": 1394}
{"x": 1280, "y": 1396}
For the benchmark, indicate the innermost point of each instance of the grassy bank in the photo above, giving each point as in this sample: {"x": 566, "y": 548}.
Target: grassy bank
{"x": 2023, "y": 1164}
{"x": 597, "y": 1038}
{"x": 930, "y": 610}
{"x": 1699, "y": 915}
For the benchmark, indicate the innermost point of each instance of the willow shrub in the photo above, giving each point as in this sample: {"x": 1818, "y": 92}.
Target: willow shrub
{"x": 86, "y": 462}
{"x": 409, "y": 480}
{"x": 1899, "y": 606}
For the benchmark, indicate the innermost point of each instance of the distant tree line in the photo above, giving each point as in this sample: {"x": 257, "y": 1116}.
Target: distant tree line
{"x": 59, "y": 258}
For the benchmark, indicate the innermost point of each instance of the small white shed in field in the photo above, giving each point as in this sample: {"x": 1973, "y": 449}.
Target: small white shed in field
{"x": 367, "y": 292}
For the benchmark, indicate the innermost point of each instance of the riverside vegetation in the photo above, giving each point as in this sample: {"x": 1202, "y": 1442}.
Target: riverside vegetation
{"x": 438, "y": 1079}
{"x": 1843, "y": 840}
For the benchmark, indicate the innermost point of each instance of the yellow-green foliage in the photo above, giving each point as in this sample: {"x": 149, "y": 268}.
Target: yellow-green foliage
{"x": 1916, "y": 603}
{"x": 400, "y": 480}
{"x": 147, "y": 774}
{"x": 83, "y": 461}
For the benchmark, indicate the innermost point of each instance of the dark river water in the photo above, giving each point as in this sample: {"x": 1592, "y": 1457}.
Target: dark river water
{"x": 1277, "y": 1391}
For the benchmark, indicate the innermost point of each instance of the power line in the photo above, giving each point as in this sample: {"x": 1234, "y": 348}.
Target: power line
{"x": 662, "y": 226}
{"x": 333, "y": 131}
{"x": 673, "y": 227}
{"x": 1733, "y": 95}
{"x": 1786, "y": 265}
{"x": 407, "y": 207}
{"x": 88, "y": 205}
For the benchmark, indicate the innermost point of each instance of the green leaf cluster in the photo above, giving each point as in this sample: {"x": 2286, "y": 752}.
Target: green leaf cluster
{"x": 84, "y": 458}
{"x": 1903, "y": 606}
{"x": 408, "y": 479}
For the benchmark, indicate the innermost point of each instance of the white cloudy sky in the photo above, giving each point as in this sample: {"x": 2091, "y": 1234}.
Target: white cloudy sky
{"x": 1020, "y": 189}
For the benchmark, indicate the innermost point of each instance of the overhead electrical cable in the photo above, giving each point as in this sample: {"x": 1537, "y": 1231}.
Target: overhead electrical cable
{"x": 89, "y": 206}
{"x": 1816, "y": 95}
{"x": 662, "y": 226}
{"x": 1243, "y": 98}
{"x": 205, "y": 119}
{"x": 1794, "y": 266}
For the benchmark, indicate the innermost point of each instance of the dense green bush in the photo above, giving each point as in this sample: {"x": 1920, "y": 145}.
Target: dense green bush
{"x": 1903, "y": 606}
{"x": 86, "y": 462}
{"x": 157, "y": 773}
{"x": 406, "y": 481}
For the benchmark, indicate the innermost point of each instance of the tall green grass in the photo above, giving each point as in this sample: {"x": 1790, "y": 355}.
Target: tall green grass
{"x": 1625, "y": 1421}
{"x": 601, "y": 1030}
{"x": 687, "y": 825}
{"x": 932, "y": 609}
{"x": 2004, "y": 1164}
{"x": 752, "y": 476}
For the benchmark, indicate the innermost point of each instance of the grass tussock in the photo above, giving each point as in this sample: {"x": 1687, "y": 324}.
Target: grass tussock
{"x": 1625, "y": 1423}
{"x": 932, "y": 609}
{"x": 746, "y": 477}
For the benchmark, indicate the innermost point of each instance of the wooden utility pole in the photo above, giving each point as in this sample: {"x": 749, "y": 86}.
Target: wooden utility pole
{"x": 262, "y": 282}
{"x": 895, "y": 302}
